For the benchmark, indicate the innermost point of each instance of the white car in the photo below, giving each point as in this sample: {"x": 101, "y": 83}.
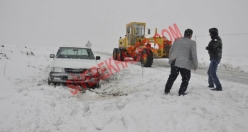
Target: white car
{"x": 75, "y": 65}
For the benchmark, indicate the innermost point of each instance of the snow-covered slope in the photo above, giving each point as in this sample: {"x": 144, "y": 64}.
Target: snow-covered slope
{"x": 132, "y": 101}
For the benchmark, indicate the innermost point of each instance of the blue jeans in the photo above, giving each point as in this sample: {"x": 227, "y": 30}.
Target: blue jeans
{"x": 212, "y": 76}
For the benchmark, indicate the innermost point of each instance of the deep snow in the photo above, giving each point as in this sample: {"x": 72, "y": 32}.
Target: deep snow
{"x": 29, "y": 104}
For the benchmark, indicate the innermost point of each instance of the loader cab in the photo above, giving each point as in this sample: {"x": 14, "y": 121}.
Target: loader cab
{"x": 135, "y": 31}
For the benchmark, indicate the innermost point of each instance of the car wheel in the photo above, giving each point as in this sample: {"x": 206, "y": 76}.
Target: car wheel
{"x": 48, "y": 82}
{"x": 98, "y": 85}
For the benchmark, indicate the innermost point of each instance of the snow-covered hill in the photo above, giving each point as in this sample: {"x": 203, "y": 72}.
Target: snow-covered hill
{"x": 132, "y": 101}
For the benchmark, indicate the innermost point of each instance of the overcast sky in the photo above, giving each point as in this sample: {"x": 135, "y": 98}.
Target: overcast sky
{"x": 73, "y": 22}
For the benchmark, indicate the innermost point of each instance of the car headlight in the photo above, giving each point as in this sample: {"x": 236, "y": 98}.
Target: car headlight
{"x": 88, "y": 72}
{"x": 57, "y": 69}
{"x": 93, "y": 72}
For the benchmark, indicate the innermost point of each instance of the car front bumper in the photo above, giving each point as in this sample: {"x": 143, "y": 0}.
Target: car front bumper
{"x": 57, "y": 77}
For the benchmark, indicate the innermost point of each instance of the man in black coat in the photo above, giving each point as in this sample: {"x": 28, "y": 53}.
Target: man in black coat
{"x": 215, "y": 52}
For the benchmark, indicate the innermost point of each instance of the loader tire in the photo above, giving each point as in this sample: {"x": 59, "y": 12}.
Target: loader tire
{"x": 120, "y": 56}
{"x": 115, "y": 53}
{"x": 167, "y": 50}
{"x": 146, "y": 57}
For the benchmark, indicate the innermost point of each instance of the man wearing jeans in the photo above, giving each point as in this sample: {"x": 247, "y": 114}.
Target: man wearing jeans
{"x": 215, "y": 52}
{"x": 182, "y": 58}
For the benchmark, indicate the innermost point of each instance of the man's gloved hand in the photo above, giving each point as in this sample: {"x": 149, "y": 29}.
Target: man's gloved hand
{"x": 207, "y": 48}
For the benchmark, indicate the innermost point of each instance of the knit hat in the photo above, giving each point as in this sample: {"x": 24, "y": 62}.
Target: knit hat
{"x": 213, "y": 31}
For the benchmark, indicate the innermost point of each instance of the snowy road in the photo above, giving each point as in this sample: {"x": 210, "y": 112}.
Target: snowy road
{"x": 238, "y": 77}
{"x": 227, "y": 75}
{"x": 28, "y": 104}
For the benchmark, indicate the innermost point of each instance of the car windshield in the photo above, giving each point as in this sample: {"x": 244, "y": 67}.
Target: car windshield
{"x": 75, "y": 53}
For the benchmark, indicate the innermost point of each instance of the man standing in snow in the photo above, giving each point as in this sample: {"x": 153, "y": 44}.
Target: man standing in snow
{"x": 215, "y": 52}
{"x": 182, "y": 58}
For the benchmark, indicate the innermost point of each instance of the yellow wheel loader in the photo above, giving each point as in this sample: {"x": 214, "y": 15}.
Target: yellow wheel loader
{"x": 140, "y": 48}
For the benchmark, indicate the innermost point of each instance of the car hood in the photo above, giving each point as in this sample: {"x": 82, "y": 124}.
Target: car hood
{"x": 74, "y": 63}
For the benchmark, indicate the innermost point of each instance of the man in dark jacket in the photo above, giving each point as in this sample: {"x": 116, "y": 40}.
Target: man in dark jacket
{"x": 215, "y": 52}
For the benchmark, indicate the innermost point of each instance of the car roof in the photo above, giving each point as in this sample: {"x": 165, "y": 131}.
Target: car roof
{"x": 70, "y": 46}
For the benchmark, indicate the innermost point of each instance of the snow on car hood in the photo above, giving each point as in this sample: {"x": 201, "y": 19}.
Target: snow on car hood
{"x": 74, "y": 63}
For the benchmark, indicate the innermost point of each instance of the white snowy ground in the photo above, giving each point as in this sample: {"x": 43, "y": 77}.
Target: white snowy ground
{"x": 29, "y": 104}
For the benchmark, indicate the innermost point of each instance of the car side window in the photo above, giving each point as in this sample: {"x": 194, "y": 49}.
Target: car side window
{"x": 83, "y": 52}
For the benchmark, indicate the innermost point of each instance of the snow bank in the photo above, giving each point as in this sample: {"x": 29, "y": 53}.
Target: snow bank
{"x": 131, "y": 101}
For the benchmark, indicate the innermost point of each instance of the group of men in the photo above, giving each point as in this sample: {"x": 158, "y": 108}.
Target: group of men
{"x": 183, "y": 59}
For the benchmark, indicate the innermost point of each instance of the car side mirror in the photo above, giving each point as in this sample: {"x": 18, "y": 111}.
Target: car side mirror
{"x": 98, "y": 57}
{"x": 149, "y": 31}
{"x": 52, "y": 55}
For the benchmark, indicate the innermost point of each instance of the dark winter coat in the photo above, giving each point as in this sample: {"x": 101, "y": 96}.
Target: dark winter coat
{"x": 215, "y": 48}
